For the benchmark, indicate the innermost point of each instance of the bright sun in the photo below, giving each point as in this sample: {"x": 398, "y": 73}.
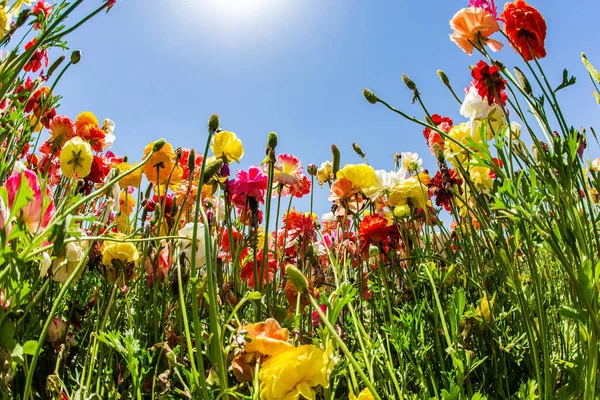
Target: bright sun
{"x": 239, "y": 11}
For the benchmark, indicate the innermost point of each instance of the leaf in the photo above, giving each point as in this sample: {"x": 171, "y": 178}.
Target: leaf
{"x": 566, "y": 81}
{"x": 572, "y": 313}
{"x": 29, "y": 347}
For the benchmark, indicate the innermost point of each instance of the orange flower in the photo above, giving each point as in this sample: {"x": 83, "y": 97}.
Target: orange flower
{"x": 525, "y": 27}
{"x": 267, "y": 338}
{"x": 474, "y": 25}
{"x": 162, "y": 165}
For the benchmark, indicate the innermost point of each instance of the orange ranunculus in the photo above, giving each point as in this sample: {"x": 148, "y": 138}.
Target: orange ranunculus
{"x": 474, "y": 25}
{"x": 525, "y": 27}
{"x": 162, "y": 166}
{"x": 267, "y": 338}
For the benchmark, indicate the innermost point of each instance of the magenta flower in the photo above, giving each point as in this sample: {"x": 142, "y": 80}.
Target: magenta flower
{"x": 316, "y": 318}
{"x": 40, "y": 209}
{"x": 487, "y": 5}
{"x": 251, "y": 183}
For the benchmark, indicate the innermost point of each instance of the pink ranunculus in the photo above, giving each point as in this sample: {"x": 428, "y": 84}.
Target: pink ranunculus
{"x": 288, "y": 170}
{"x": 3, "y": 214}
{"x": 40, "y": 209}
{"x": 251, "y": 183}
{"x": 487, "y": 5}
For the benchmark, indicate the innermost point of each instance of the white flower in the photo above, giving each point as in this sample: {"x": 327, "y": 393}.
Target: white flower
{"x": 64, "y": 266}
{"x": 186, "y": 244}
{"x": 474, "y": 106}
{"x": 109, "y": 138}
{"x": 410, "y": 163}
{"x": 318, "y": 249}
{"x": 19, "y": 167}
{"x": 515, "y": 127}
{"x": 328, "y": 217}
{"x": 45, "y": 263}
{"x": 595, "y": 165}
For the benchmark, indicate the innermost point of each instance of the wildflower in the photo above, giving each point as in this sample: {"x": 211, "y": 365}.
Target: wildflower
{"x": 410, "y": 191}
{"x": 376, "y": 230}
{"x": 187, "y": 232}
{"x": 40, "y": 209}
{"x": 134, "y": 179}
{"x": 37, "y": 58}
{"x": 410, "y": 163}
{"x": 76, "y": 158}
{"x": 42, "y": 8}
{"x": 64, "y": 265}
{"x": 473, "y": 26}
{"x": 432, "y": 137}
{"x": 247, "y": 272}
{"x": 443, "y": 190}
{"x": 251, "y": 183}
{"x": 474, "y": 106}
{"x": 295, "y": 373}
{"x": 325, "y": 173}
{"x": 161, "y": 167}
{"x": 299, "y": 189}
{"x": 489, "y": 84}
{"x": 361, "y": 176}
{"x": 401, "y": 211}
{"x": 460, "y": 139}
{"x": 267, "y": 338}
{"x": 227, "y": 145}
{"x": 119, "y": 259}
{"x": 526, "y": 28}
{"x": 480, "y": 177}
{"x": 61, "y": 130}
{"x": 364, "y": 395}
{"x": 487, "y": 5}
{"x": 99, "y": 169}
{"x": 126, "y": 202}
{"x": 88, "y": 128}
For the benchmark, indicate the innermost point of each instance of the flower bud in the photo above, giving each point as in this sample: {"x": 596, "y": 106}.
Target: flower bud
{"x": 373, "y": 251}
{"x": 312, "y": 169}
{"x": 370, "y": 96}
{"x": 593, "y": 72}
{"x": 358, "y": 150}
{"x": 192, "y": 161}
{"x": 335, "y": 158}
{"x": 212, "y": 169}
{"x": 401, "y": 211}
{"x": 298, "y": 281}
{"x": 523, "y": 82}
{"x": 409, "y": 82}
{"x": 213, "y": 123}
{"x": 76, "y": 57}
{"x": 272, "y": 140}
{"x": 54, "y": 65}
{"x": 443, "y": 77}
{"x": 22, "y": 18}
{"x": 158, "y": 145}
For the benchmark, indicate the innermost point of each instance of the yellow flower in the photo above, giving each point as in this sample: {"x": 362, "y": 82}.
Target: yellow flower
{"x": 361, "y": 176}
{"x": 76, "y": 158}
{"x": 401, "y": 211}
{"x": 325, "y": 173}
{"x": 484, "y": 308}
{"x": 410, "y": 191}
{"x": 455, "y": 153}
{"x": 364, "y": 395}
{"x": 16, "y": 7}
{"x": 84, "y": 123}
{"x": 480, "y": 177}
{"x": 294, "y": 373}
{"x": 267, "y": 338}
{"x": 134, "y": 179}
{"x": 122, "y": 251}
{"x": 161, "y": 165}
{"x": 126, "y": 202}
{"x": 495, "y": 121}
{"x": 226, "y": 144}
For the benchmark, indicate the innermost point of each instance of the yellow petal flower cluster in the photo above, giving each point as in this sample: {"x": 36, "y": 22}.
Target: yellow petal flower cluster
{"x": 134, "y": 179}
{"x": 227, "y": 145}
{"x": 480, "y": 177}
{"x": 76, "y": 158}
{"x": 295, "y": 373}
{"x": 361, "y": 176}
{"x": 409, "y": 191}
{"x": 455, "y": 153}
{"x": 123, "y": 251}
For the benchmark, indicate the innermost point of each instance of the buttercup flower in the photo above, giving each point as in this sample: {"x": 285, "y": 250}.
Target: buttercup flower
{"x": 480, "y": 176}
{"x": 410, "y": 191}
{"x": 474, "y": 25}
{"x": 161, "y": 168}
{"x": 76, "y": 158}
{"x": 526, "y": 28}
{"x": 227, "y": 145}
{"x": 124, "y": 252}
{"x": 294, "y": 373}
{"x": 40, "y": 209}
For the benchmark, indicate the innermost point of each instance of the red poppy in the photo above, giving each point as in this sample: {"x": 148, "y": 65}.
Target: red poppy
{"x": 526, "y": 28}
{"x": 39, "y": 56}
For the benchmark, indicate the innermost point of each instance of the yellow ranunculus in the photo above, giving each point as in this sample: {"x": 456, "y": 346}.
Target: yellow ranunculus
{"x": 480, "y": 176}
{"x": 267, "y": 338}
{"x": 325, "y": 172}
{"x": 294, "y": 373}
{"x": 408, "y": 191}
{"x": 364, "y": 395}
{"x": 126, "y": 202}
{"x": 226, "y": 144}
{"x": 134, "y": 179}
{"x": 122, "y": 251}
{"x": 76, "y": 158}
{"x": 455, "y": 153}
{"x": 361, "y": 176}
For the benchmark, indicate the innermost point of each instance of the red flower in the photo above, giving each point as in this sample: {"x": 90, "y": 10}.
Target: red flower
{"x": 100, "y": 168}
{"x": 526, "y": 28}
{"x": 431, "y": 136}
{"x": 42, "y": 8}
{"x": 247, "y": 273}
{"x": 184, "y": 163}
{"x": 443, "y": 190}
{"x": 374, "y": 230}
{"x": 489, "y": 83}
{"x": 499, "y": 164}
{"x": 35, "y": 62}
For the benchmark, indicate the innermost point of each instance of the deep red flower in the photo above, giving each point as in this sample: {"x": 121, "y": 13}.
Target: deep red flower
{"x": 489, "y": 83}
{"x": 100, "y": 169}
{"x": 374, "y": 230}
{"x": 526, "y": 28}
{"x": 443, "y": 190}
{"x": 39, "y": 56}
{"x": 166, "y": 203}
{"x": 247, "y": 272}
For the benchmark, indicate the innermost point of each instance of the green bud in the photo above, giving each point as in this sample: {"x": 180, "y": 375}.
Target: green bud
{"x": 212, "y": 169}
{"x": 299, "y": 281}
{"x": 192, "y": 162}
{"x": 312, "y": 169}
{"x": 54, "y": 66}
{"x": 272, "y": 140}
{"x": 159, "y": 144}
{"x": 409, "y": 82}
{"x": 523, "y": 82}
{"x": 213, "y": 123}
{"x": 335, "y": 159}
{"x": 76, "y": 56}
{"x": 370, "y": 96}
{"x": 443, "y": 77}
{"x": 358, "y": 150}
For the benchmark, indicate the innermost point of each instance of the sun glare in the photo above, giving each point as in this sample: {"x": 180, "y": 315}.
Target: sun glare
{"x": 240, "y": 12}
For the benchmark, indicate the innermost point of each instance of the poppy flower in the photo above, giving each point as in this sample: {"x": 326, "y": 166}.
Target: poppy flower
{"x": 526, "y": 28}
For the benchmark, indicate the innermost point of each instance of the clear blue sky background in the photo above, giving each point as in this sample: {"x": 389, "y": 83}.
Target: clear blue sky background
{"x": 160, "y": 68}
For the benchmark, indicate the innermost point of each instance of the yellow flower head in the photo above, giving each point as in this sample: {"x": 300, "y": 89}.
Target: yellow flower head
{"x": 226, "y": 144}
{"x": 361, "y": 176}
{"x": 295, "y": 373}
{"x": 161, "y": 165}
{"x": 126, "y": 202}
{"x": 76, "y": 158}
{"x": 410, "y": 191}
{"x": 267, "y": 338}
{"x": 122, "y": 251}
{"x": 134, "y": 179}
{"x": 364, "y": 395}
{"x": 325, "y": 172}
{"x": 484, "y": 308}
{"x": 480, "y": 176}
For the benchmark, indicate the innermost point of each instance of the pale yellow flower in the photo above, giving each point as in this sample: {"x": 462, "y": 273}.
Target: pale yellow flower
{"x": 480, "y": 177}
{"x": 361, "y": 176}
{"x": 409, "y": 191}
{"x": 134, "y": 179}
{"x": 325, "y": 172}
{"x": 226, "y": 144}
{"x": 76, "y": 158}
{"x": 364, "y": 395}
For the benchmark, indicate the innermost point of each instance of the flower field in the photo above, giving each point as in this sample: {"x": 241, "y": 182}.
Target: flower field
{"x": 182, "y": 275}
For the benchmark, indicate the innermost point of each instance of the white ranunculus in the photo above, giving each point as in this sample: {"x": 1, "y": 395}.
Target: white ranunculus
{"x": 410, "y": 162}
{"x": 109, "y": 138}
{"x": 186, "y": 244}
{"x": 474, "y": 106}
{"x": 328, "y": 217}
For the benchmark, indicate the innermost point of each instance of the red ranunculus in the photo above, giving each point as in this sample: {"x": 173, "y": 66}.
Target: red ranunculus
{"x": 526, "y": 28}
{"x": 489, "y": 83}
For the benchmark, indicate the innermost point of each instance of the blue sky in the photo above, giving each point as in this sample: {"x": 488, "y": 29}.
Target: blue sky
{"x": 160, "y": 68}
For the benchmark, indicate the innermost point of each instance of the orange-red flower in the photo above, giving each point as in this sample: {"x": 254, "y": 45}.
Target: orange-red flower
{"x": 374, "y": 230}
{"x": 526, "y": 28}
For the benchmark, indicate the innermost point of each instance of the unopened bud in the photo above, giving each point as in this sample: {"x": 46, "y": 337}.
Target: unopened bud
{"x": 443, "y": 77}
{"x": 192, "y": 161}
{"x": 76, "y": 56}
{"x": 523, "y": 82}
{"x": 158, "y": 145}
{"x": 335, "y": 159}
{"x": 212, "y": 169}
{"x": 22, "y": 18}
{"x": 358, "y": 150}
{"x": 409, "y": 82}
{"x": 54, "y": 65}
{"x": 312, "y": 169}
{"x": 213, "y": 123}
{"x": 370, "y": 96}
{"x": 299, "y": 281}
{"x": 272, "y": 140}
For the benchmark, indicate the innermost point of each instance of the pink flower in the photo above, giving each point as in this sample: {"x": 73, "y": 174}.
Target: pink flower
{"x": 42, "y": 8}
{"x": 3, "y": 214}
{"x": 316, "y": 318}
{"x": 297, "y": 189}
{"x": 40, "y": 209}
{"x": 251, "y": 183}
{"x": 288, "y": 170}
{"x": 487, "y": 5}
